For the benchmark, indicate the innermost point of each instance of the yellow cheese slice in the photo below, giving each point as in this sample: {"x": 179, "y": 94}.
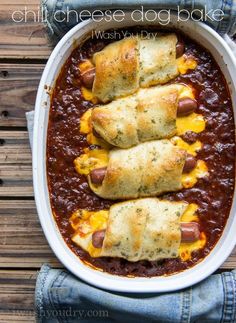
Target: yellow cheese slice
{"x": 185, "y": 91}
{"x": 90, "y": 160}
{"x": 85, "y": 125}
{"x": 190, "y": 179}
{"x": 186, "y": 63}
{"x": 190, "y": 148}
{"x": 88, "y": 95}
{"x": 186, "y": 248}
{"x": 86, "y": 128}
{"x": 193, "y": 122}
{"x": 85, "y": 223}
{"x": 190, "y": 213}
{"x": 85, "y": 65}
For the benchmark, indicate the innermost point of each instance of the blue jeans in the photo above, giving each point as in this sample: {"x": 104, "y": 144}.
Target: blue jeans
{"x": 61, "y": 297}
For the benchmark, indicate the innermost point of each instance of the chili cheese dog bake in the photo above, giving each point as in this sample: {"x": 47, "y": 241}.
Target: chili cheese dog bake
{"x": 141, "y": 153}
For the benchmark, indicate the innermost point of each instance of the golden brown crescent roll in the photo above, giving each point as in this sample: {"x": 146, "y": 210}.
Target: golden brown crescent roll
{"x": 144, "y": 229}
{"x": 124, "y": 66}
{"x": 149, "y": 169}
{"x": 149, "y": 114}
{"x": 117, "y": 69}
{"x": 157, "y": 60}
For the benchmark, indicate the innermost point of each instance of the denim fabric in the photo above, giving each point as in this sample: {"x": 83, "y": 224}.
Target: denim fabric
{"x": 61, "y": 297}
{"x": 58, "y": 29}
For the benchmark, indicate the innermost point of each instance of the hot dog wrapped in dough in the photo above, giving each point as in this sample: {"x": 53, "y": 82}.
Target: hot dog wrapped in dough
{"x": 124, "y": 66}
{"x": 144, "y": 229}
{"x": 149, "y": 169}
{"x": 149, "y": 114}
{"x": 116, "y": 70}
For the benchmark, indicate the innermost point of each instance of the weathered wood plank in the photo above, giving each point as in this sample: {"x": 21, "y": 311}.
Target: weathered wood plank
{"x": 22, "y": 241}
{"x": 17, "y": 295}
{"x": 15, "y": 164}
{"x": 25, "y": 39}
{"x": 14, "y": 148}
{"x": 18, "y": 89}
{"x": 16, "y": 180}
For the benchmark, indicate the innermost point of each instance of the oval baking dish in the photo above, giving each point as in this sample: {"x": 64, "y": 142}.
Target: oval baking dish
{"x": 223, "y": 56}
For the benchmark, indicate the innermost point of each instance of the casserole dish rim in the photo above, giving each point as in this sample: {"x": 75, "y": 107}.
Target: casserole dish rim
{"x": 72, "y": 262}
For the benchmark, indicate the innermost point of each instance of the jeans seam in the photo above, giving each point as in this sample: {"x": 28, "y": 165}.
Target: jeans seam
{"x": 234, "y": 296}
{"x": 59, "y": 280}
{"x": 229, "y": 291}
{"x": 186, "y": 306}
{"x": 39, "y": 293}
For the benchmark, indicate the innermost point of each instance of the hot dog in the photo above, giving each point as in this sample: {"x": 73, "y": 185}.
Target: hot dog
{"x": 97, "y": 175}
{"x": 190, "y": 164}
{"x": 180, "y": 48}
{"x": 97, "y": 238}
{"x": 189, "y": 233}
{"x": 88, "y": 78}
{"x": 186, "y": 106}
{"x": 89, "y": 75}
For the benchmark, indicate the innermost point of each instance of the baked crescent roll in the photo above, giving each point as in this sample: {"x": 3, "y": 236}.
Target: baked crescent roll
{"x": 149, "y": 114}
{"x": 124, "y": 66}
{"x": 117, "y": 69}
{"x": 144, "y": 229}
{"x": 149, "y": 169}
{"x": 157, "y": 60}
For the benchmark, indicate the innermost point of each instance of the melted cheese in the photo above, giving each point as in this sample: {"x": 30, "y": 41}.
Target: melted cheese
{"x": 85, "y": 65}
{"x": 88, "y": 95}
{"x": 186, "y": 248}
{"x": 190, "y": 148}
{"x": 94, "y": 252}
{"x": 85, "y": 223}
{"x": 90, "y": 160}
{"x": 186, "y": 63}
{"x": 185, "y": 91}
{"x": 99, "y": 158}
{"x": 189, "y": 214}
{"x": 86, "y": 128}
{"x": 93, "y": 140}
{"x": 193, "y": 122}
{"x": 190, "y": 179}
{"x": 90, "y": 220}
{"x": 85, "y": 124}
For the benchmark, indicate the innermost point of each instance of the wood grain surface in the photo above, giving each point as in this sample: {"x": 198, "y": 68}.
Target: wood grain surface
{"x": 26, "y": 39}
{"x": 17, "y": 295}
{"x": 18, "y": 88}
{"x": 24, "y": 49}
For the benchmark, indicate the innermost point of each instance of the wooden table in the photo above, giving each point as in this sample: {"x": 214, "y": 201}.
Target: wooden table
{"x": 24, "y": 49}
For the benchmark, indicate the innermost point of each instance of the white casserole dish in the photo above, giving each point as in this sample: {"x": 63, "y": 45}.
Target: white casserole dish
{"x": 223, "y": 55}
